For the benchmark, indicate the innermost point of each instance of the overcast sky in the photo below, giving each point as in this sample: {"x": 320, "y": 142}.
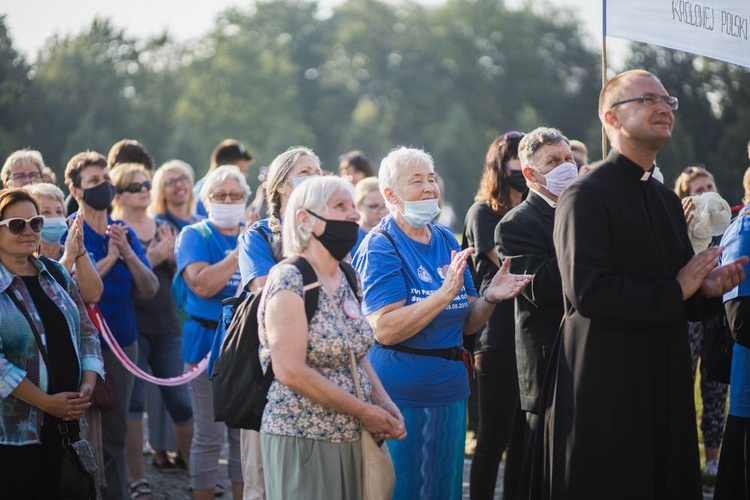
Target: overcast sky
{"x": 31, "y": 22}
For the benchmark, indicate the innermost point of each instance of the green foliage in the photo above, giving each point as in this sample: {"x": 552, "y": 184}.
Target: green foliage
{"x": 366, "y": 75}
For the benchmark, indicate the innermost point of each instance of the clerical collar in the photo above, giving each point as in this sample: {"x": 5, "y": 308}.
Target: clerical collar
{"x": 551, "y": 203}
{"x": 655, "y": 172}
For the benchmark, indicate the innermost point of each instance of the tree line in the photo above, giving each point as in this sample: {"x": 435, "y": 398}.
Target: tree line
{"x": 365, "y": 75}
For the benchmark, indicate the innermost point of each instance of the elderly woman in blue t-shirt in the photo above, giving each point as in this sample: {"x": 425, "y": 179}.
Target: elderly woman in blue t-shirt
{"x": 206, "y": 255}
{"x": 420, "y": 301}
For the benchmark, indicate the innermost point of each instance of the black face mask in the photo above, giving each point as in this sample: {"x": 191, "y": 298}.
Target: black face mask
{"x": 517, "y": 181}
{"x": 339, "y": 236}
{"x": 99, "y": 197}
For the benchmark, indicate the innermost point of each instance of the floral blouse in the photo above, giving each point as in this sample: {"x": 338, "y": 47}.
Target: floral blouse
{"x": 330, "y": 332}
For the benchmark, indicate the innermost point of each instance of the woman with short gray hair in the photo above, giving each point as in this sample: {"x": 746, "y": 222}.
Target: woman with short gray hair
{"x": 420, "y": 300}
{"x": 206, "y": 255}
{"x": 310, "y": 432}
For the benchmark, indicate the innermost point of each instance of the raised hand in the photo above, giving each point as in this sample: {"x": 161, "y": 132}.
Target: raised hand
{"x": 505, "y": 285}
{"x": 722, "y": 279}
{"x": 691, "y": 276}
{"x": 118, "y": 234}
{"x": 688, "y": 207}
{"x": 454, "y": 276}
{"x": 74, "y": 245}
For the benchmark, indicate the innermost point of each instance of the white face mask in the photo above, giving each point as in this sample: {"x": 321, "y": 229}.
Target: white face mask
{"x": 226, "y": 216}
{"x": 561, "y": 177}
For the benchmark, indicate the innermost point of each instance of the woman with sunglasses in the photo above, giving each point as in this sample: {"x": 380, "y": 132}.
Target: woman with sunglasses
{"x": 501, "y": 421}
{"x": 159, "y": 330}
{"x": 49, "y": 355}
{"x": 172, "y": 198}
{"x": 206, "y": 255}
{"x": 73, "y": 255}
{"x": 126, "y": 274}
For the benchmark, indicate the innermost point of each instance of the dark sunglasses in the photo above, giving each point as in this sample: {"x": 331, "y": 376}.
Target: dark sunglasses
{"x": 17, "y": 225}
{"x": 135, "y": 187}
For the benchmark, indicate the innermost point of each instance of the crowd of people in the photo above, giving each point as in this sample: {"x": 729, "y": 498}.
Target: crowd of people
{"x": 589, "y": 292}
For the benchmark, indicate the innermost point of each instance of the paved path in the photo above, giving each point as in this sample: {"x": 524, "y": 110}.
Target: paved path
{"x": 172, "y": 485}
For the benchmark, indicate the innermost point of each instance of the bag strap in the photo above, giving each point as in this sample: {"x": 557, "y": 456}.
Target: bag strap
{"x": 37, "y": 336}
{"x": 351, "y": 276}
{"x": 311, "y": 288}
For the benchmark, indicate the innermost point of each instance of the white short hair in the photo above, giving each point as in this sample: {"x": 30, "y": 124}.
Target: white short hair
{"x": 46, "y": 190}
{"x": 311, "y": 195}
{"x": 396, "y": 163}
{"x": 219, "y": 175}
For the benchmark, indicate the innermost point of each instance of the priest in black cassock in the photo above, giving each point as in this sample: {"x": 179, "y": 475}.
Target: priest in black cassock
{"x": 620, "y": 416}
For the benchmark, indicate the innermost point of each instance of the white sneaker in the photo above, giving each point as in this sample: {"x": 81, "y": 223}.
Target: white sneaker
{"x": 711, "y": 468}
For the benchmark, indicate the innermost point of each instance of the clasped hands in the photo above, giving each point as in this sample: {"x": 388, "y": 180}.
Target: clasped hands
{"x": 702, "y": 274}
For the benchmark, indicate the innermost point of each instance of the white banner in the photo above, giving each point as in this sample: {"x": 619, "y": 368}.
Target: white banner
{"x": 711, "y": 28}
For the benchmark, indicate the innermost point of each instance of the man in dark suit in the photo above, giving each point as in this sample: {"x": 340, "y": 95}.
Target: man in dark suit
{"x": 525, "y": 234}
{"x": 619, "y": 419}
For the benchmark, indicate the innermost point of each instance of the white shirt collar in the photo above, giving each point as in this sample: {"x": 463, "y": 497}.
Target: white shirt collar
{"x": 551, "y": 203}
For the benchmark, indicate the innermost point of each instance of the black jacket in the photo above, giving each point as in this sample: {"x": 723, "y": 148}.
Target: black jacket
{"x": 619, "y": 417}
{"x": 525, "y": 234}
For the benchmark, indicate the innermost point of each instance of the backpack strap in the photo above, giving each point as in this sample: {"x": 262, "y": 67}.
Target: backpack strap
{"x": 351, "y": 276}
{"x": 312, "y": 293}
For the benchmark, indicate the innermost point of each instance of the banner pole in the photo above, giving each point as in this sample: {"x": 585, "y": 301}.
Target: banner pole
{"x": 604, "y": 81}
{"x": 604, "y": 68}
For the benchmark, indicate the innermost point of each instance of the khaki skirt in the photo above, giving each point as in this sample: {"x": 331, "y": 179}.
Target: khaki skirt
{"x": 301, "y": 468}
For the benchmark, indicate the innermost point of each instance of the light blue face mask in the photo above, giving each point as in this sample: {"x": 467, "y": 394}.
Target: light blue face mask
{"x": 297, "y": 181}
{"x": 419, "y": 213}
{"x": 53, "y": 229}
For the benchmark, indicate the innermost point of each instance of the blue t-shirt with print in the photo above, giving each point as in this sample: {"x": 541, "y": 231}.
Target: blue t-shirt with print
{"x": 256, "y": 256}
{"x": 413, "y": 273}
{"x": 360, "y": 238}
{"x": 736, "y": 243}
{"x": 202, "y": 242}
{"x": 116, "y": 303}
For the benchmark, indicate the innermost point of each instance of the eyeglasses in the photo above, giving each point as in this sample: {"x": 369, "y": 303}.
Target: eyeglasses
{"x": 17, "y": 225}
{"x": 222, "y": 197}
{"x": 23, "y": 176}
{"x": 374, "y": 206}
{"x": 136, "y": 187}
{"x": 652, "y": 100}
{"x": 183, "y": 179}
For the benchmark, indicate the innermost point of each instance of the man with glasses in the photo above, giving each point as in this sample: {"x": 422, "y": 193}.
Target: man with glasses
{"x": 21, "y": 168}
{"x": 620, "y": 421}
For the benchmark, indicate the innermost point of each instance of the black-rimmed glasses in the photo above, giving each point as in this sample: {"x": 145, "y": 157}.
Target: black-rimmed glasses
{"x": 17, "y": 224}
{"x": 136, "y": 187}
{"x": 652, "y": 100}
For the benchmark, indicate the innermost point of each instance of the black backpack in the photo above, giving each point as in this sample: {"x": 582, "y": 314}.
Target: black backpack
{"x": 239, "y": 384}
